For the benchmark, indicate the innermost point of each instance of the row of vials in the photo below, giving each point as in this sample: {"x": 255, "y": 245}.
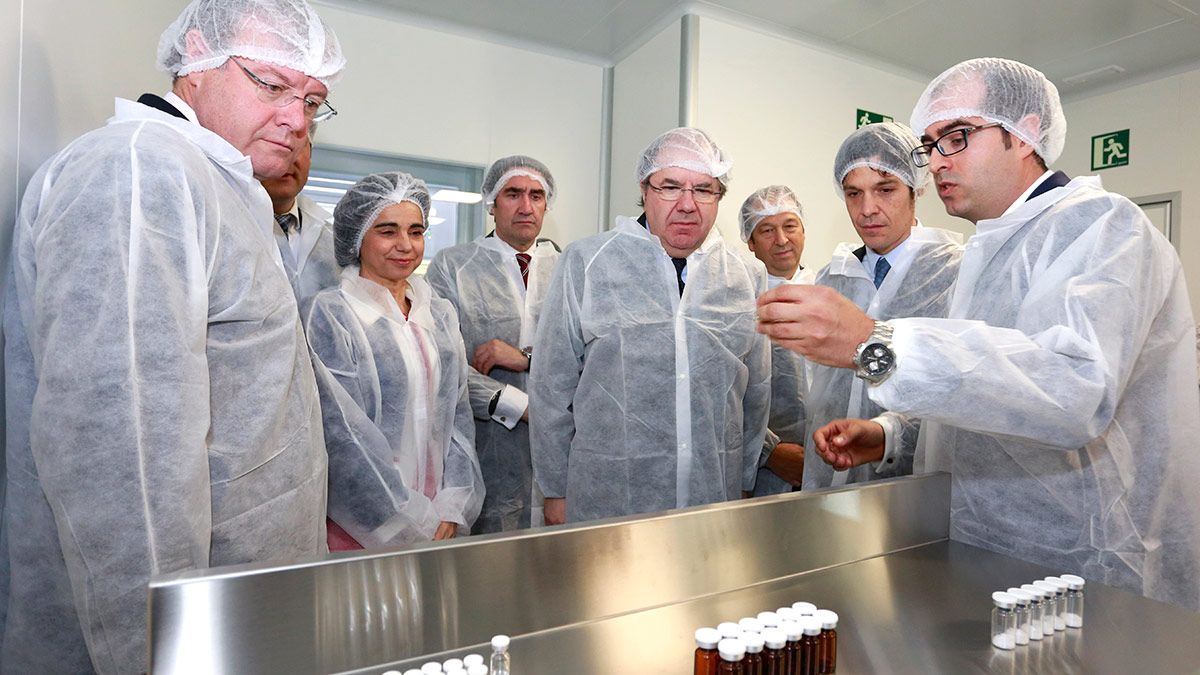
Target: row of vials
{"x": 1035, "y": 611}
{"x": 471, "y": 664}
{"x": 796, "y": 640}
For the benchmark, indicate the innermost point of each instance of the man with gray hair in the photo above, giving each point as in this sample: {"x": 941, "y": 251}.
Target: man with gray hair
{"x": 650, "y": 388}
{"x": 162, "y": 409}
{"x": 1059, "y": 393}
{"x": 497, "y": 284}
{"x": 900, "y": 269}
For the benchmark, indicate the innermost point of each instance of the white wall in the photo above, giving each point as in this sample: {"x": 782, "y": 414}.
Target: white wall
{"x": 1164, "y": 150}
{"x": 781, "y": 109}
{"x": 424, "y": 93}
{"x": 645, "y": 104}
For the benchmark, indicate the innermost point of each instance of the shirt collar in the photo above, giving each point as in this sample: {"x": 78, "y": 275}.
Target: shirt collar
{"x": 895, "y": 257}
{"x": 174, "y": 99}
{"x": 1028, "y": 191}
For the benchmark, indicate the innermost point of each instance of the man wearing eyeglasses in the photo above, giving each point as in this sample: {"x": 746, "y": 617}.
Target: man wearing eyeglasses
{"x": 649, "y": 387}
{"x": 303, "y": 230}
{"x": 162, "y": 412}
{"x": 1059, "y": 392}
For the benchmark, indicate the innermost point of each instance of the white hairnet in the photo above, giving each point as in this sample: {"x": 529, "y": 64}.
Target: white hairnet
{"x": 766, "y": 202}
{"x": 504, "y": 169}
{"x": 884, "y": 147}
{"x": 686, "y": 148}
{"x": 998, "y": 90}
{"x": 362, "y": 204}
{"x": 286, "y": 33}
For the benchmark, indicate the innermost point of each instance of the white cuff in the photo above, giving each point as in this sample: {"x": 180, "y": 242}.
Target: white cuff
{"x": 512, "y": 404}
{"x": 891, "y": 423}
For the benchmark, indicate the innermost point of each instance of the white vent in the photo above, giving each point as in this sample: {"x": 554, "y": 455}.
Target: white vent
{"x": 1097, "y": 74}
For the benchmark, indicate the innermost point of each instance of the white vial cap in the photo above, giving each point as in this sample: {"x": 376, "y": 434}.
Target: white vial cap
{"x": 473, "y": 660}
{"x": 787, "y": 614}
{"x": 1023, "y": 597}
{"x": 452, "y": 664}
{"x": 1048, "y": 588}
{"x": 811, "y": 625}
{"x": 827, "y": 617}
{"x": 731, "y": 649}
{"x": 804, "y": 608}
{"x": 413, "y": 671}
{"x": 768, "y": 619}
{"x": 754, "y": 642}
{"x": 707, "y": 638}
{"x": 500, "y": 643}
{"x": 1073, "y": 582}
{"x": 792, "y": 630}
{"x": 477, "y": 669}
{"x": 774, "y": 638}
{"x": 729, "y": 629}
{"x": 1059, "y": 583}
{"x": 431, "y": 668}
{"x": 1037, "y": 593}
{"x": 393, "y": 672}
{"x": 750, "y": 625}
{"x": 1003, "y": 600}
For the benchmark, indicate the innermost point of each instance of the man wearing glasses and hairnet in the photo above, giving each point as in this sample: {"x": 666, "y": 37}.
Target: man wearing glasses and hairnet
{"x": 1060, "y": 391}
{"x": 496, "y": 284}
{"x": 650, "y": 388}
{"x": 162, "y": 409}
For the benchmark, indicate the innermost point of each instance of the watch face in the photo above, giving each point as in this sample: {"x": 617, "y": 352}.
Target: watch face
{"x": 877, "y": 359}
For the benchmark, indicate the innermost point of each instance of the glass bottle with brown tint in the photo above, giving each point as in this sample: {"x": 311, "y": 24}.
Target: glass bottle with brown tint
{"x": 733, "y": 654}
{"x": 810, "y": 663}
{"x": 792, "y": 649}
{"x": 706, "y": 659}
{"x": 827, "y": 648}
{"x": 754, "y": 653}
{"x": 774, "y": 641}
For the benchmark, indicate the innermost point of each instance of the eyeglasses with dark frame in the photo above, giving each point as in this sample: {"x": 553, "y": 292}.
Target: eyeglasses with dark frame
{"x": 672, "y": 193}
{"x": 949, "y": 143}
{"x": 279, "y": 96}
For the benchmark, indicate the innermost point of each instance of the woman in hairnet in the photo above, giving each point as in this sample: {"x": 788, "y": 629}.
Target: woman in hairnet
{"x": 392, "y": 374}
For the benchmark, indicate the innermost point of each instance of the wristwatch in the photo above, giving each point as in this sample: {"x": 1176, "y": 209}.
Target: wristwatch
{"x": 874, "y": 360}
{"x": 528, "y": 352}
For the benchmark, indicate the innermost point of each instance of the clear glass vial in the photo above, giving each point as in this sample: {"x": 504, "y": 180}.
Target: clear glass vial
{"x": 1004, "y": 622}
{"x": 1074, "y": 616}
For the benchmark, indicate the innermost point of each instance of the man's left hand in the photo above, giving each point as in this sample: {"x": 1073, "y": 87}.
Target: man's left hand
{"x": 787, "y": 461}
{"x": 499, "y": 354}
{"x": 815, "y": 321}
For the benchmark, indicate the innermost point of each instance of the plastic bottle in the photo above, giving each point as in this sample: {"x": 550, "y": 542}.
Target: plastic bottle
{"x": 794, "y": 632}
{"x": 754, "y": 657}
{"x": 810, "y": 653}
{"x": 706, "y": 659}
{"x": 804, "y": 608}
{"x": 1037, "y": 611}
{"x": 1021, "y": 614}
{"x": 1074, "y": 616}
{"x": 751, "y": 625}
{"x": 733, "y": 652}
{"x": 1003, "y": 622}
{"x": 827, "y": 649}
{"x": 500, "y": 663}
{"x": 1053, "y": 616}
{"x": 774, "y": 656}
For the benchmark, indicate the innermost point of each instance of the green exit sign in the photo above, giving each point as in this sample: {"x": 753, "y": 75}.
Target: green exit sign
{"x": 1110, "y": 150}
{"x": 865, "y": 117}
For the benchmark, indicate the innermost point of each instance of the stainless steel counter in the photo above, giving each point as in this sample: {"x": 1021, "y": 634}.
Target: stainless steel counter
{"x": 625, "y": 595}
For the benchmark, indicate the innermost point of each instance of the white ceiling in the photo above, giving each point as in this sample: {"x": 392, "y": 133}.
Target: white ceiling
{"x": 1063, "y": 38}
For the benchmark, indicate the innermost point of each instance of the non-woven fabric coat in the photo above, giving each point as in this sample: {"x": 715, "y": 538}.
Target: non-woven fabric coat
{"x": 1060, "y": 394}
{"x": 924, "y": 289}
{"x": 310, "y": 263}
{"x": 162, "y": 411}
{"x": 397, "y": 420}
{"x": 642, "y": 400}
{"x": 483, "y": 282}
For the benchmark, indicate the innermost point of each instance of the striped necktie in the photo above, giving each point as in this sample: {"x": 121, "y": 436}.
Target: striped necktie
{"x": 881, "y": 269}
{"x": 523, "y": 262}
{"x": 287, "y": 221}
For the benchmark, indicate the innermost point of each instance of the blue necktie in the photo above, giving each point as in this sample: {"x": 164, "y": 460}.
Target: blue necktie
{"x": 679, "y": 263}
{"x": 881, "y": 269}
